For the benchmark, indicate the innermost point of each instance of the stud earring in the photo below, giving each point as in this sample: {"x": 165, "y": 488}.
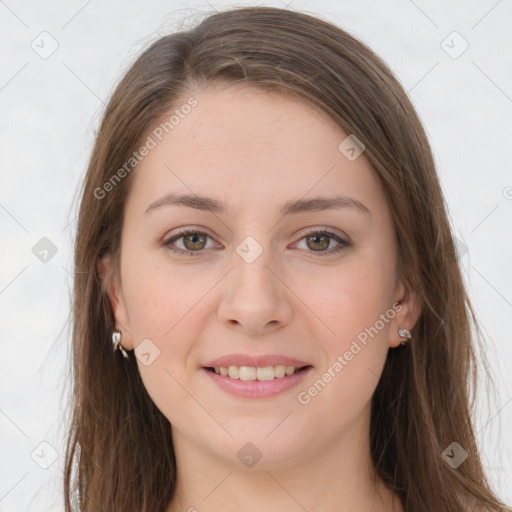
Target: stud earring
{"x": 116, "y": 342}
{"x": 405, "y": 334}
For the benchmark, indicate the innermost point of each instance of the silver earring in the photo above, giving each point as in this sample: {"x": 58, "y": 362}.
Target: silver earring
{"x": 116, "y": 342}
{"x": 405, "y": 334}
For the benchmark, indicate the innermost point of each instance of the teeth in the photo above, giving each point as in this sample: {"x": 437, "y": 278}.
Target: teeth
{"x": 247, "y": 373}
{"x": 252, "y": 373}
{"x": 265, "y": 373}
{"x": 290, "y": 370}
{"x": 279, "y": 371}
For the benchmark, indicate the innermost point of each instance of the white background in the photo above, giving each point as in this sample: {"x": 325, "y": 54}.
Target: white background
{"x": 49, "y": 109}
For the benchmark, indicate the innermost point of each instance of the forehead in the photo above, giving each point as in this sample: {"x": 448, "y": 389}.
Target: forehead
{"x": 242, "y": 144}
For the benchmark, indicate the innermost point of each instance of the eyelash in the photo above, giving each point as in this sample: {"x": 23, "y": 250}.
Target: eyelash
{"x": 326, "y": 232}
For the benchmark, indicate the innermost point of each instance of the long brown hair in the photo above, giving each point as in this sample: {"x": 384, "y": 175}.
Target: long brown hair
{"x": 119, "y": 453}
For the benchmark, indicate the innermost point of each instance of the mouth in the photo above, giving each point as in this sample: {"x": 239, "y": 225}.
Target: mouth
{"x": 257, "y": 373}
{"x": 256, "y": 377}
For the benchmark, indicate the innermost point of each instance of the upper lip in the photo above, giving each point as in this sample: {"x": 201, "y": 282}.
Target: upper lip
{"x": 254, "y": 361}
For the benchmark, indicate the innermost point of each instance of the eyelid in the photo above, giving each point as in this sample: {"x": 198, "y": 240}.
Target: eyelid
{"x": 319, "y": 229}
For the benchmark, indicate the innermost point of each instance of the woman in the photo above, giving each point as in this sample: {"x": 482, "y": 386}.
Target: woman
{"x": 263, "y": 241}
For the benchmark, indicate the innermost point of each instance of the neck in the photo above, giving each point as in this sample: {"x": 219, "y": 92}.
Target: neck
{"x": 339, "y": 479}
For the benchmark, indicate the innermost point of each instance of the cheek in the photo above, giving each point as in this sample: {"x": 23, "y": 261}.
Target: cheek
{"x": 160, "y": 299}
{"x": 353, "y": 357}
{"x": 356, "y": 305}
{"x": 169, "y": 309}
{"x": 351, "y": 299}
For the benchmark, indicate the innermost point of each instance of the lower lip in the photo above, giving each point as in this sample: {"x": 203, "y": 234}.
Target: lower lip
{"x": 256, "y": 388}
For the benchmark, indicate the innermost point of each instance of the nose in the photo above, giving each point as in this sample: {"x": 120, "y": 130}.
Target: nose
{"x": 254, "y": 298}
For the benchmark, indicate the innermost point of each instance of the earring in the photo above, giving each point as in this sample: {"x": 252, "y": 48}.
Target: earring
{"x": 406, "y": 335}
{"x": 116, "y": 342}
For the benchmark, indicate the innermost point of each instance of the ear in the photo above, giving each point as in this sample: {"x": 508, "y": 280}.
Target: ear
{"x": 408, "y": 310}
{"x": 112, "y": 287}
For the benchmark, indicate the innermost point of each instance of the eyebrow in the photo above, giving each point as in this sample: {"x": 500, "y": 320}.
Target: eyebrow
{"x": 295, "y": 206}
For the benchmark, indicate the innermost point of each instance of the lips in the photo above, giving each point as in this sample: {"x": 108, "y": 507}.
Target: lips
{"x": 256, "y": 376}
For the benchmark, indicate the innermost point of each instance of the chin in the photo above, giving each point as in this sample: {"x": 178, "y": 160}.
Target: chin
{"x": 262, "y": 449}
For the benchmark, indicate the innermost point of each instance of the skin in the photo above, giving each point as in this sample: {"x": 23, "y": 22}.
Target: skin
{"x": 254, "y": 151}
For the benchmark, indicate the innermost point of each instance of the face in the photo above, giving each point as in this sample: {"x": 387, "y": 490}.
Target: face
{"x": 285, "y": 279}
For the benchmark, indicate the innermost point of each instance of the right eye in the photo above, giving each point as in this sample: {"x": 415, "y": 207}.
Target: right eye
{"x": 193, "y": 241}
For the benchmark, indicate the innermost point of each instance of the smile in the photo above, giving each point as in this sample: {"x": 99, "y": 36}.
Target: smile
{"x": 256, "y": 382}
{"x": 261, "y": 373}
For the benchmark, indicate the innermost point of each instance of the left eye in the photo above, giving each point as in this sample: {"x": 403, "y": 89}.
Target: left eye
{"x": 194, "y": 242}
{"x": 320, "y": 241}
